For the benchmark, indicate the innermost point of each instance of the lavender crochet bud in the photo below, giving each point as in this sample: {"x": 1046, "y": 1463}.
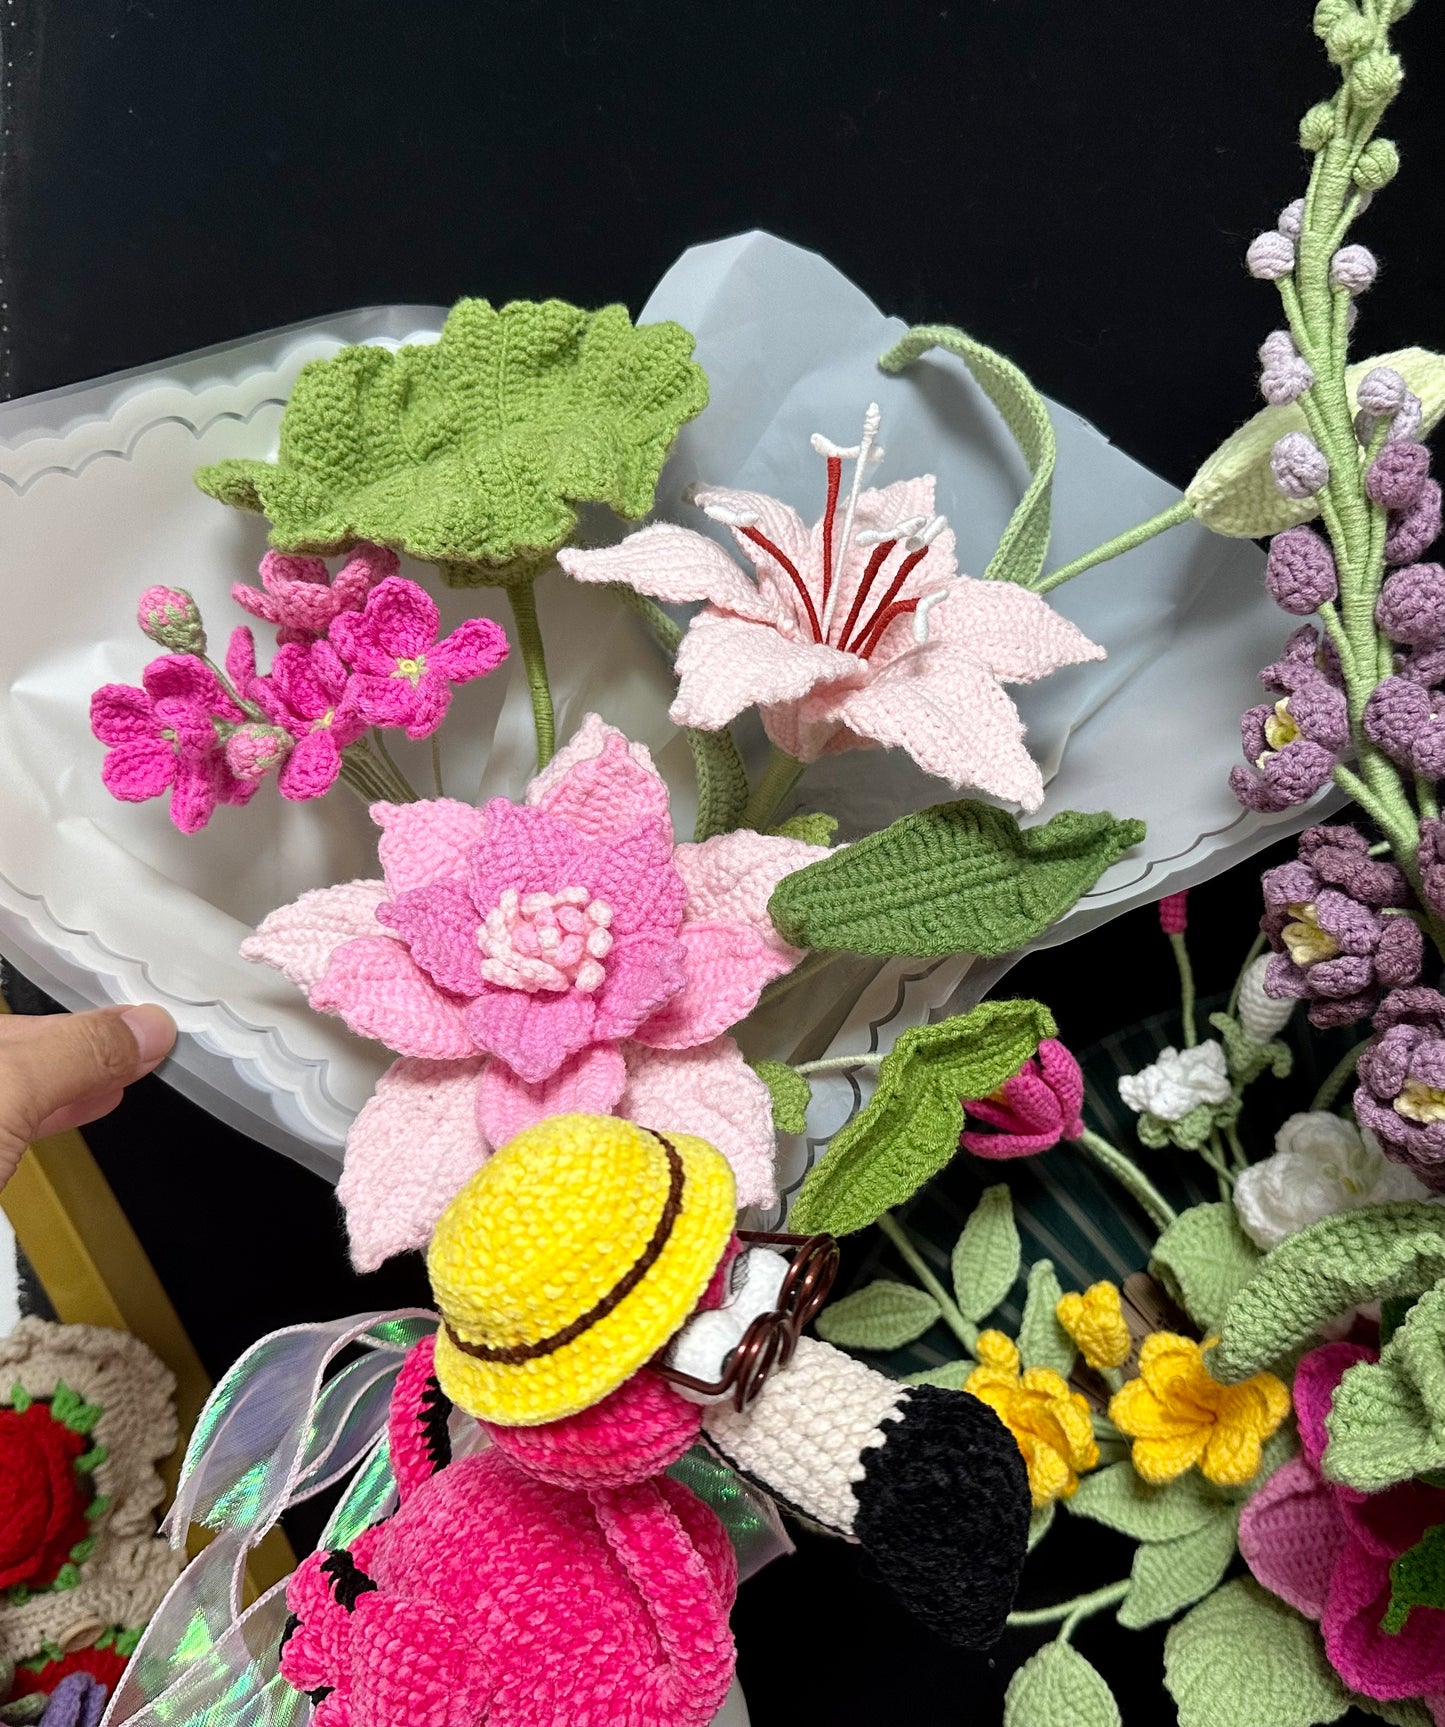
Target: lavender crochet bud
{"x": 1317, "y": 126}
{"x": 1397, "y": 475}
{"x": 1378, "y": 164}
{"x": 171, "y": 618}
{"x": 1300, "y": 573}
{"x": 1291, "y": 224}
{"x": 1298, "y": 465}
{"x": 1284, "y": 375}
{"x": 1412, "y": 530}
{"x": 1375, "y": 78}
{"x": 1411, "y": 606}
{"x": 1354, "y": 269}
{"x": 1406, "y": 424}
{"x": 1382, "y": 389}
{"x": 1270, "y": 256}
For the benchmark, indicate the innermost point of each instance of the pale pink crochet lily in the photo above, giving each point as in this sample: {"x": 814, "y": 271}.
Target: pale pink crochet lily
{"x": 528, "y": 959}
{"x": 845, "y": 646}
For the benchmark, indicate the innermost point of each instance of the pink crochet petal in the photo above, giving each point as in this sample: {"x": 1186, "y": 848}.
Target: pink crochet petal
{"x": 726, "y": 664}
{"x": 193, "y": 796}
{"x": 280, "y": 570}
{"x": 731, "y": 878}
{"x": 1015, "y": 634}
{"x": 181, "y": 677}
{"x": 122, "y": 714}
{"x": 600, "y": 784}
{"x": 635, "y": 874}
{"x": 727, "y": 966}
{"x": 713, "y": 1093}
{"x": 385, "y": 700}
{"x": 1291, "y": 1538}
{"x": 430, "y": 700}
{"x": 439, "y": 924}
{"x": 413, "y": 1147}
{"x": 588, "y": 1083}
{"x": 1065, "y": 1079}
{"x": 241, "y": 658}
{"x": 310, "y": 770}
{"x": 366, "y": 566}
{"x": 1367, "y": 1658}
{"x": 530, "y": 850}
{"x": 299, "y": 939}
{"x": 136, "y": 771}
{"x": 424, "y": 842}
{"x": 1316, "y": 1379}
{"x": 881, "y": 508}
{"x": 534, "y": 1034}
{"x": 475, "y": 647}
{"x": 402, "y": 618}
{"x": 953, "y": 718}
{"x": 380, "y": 991}
{"x": 298, "y": 681}
{"x": 674, "y": 565}
{"x": 778, "y": 521}
{"x": 319, "y": 1649}
{"x": 353, "y": 637}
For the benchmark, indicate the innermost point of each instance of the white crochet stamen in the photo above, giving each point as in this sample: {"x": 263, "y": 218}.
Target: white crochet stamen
{"x": 872, "y": 420}
{"x": 730, "y": 518}
{"x": 925, "y": 606}
{"x": 899, "y": 531}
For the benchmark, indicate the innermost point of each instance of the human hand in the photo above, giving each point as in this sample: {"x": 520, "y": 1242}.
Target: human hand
{"x": 63, "y": 1070}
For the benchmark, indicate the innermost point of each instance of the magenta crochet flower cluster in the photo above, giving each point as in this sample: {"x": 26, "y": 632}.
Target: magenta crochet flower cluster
{"x": 1401, "y": 1094}
{"x": 529, "y": 959}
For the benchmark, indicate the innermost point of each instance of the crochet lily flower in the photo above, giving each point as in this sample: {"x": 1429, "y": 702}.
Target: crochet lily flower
{"x": 1050, "y": 1423}
{"x": 1095, "y": 1321}
{"x": 850, "y": 635}
{"x": 528, "y": 959}
{"x": 1032, "y": 1111}
{"x": 301, "y": 598}
{"x": 1178, "y": 1415}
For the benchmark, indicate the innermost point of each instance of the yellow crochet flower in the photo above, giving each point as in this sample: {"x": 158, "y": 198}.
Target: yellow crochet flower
{"x": 1095, "y": 1321}
{"x": 1049, "y": 1422}
{"x": 1178, "y": 1415}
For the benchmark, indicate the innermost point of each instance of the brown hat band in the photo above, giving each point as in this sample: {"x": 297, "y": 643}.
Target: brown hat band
{"x": 512, "y": 1355}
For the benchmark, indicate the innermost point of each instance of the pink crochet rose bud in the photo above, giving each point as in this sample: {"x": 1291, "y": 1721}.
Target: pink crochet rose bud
{"x": 1174, "y": 913}
{"x": 252, "y": 751}
{"x": 1398, "y": 474}
{"x": 1032, "y": 1111}
{"x": 1300, "y": 574}
{"x": 172, "y": 620}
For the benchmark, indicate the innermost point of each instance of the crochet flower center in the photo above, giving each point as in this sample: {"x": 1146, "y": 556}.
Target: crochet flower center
{"x": 1305, "y": 941}
{"x": 1280, "y": 729}
{"x": 1421, "y": 1102}
{"x": 412, "y": 670}
{"x": 551, "y": 941}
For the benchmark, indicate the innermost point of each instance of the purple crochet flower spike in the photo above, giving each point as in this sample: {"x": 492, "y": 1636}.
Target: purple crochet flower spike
{"x": 1407, "y": 720}
{"x": 1397, "y": 475}
{"x": 1411, "y": 530}
{"x": 1411, "y": 606}
{"x": 1324, "y": 917}
{"x": 1401, "y": 1095}
{"x": 1430, "y": 860}
{"x": 1293, "y": 743}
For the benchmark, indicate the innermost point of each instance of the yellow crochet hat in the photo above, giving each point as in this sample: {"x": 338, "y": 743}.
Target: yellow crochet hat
{"x": 569, "y": 1259}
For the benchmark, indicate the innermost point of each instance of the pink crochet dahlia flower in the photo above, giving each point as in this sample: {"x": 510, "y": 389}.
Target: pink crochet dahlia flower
{"x": 852, "y": 634}
{"x": 528, "y": 959}
{"x": 1327, "y": 1550}
{"x": 301, "y": 598}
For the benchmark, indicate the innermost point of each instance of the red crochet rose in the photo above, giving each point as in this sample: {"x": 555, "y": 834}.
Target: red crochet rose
{"x": 42, "y": 1499}
{"x": 103, "y": 1663}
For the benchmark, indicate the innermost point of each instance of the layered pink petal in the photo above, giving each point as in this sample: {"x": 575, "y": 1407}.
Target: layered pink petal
{"x": 195, "y": 794}
{"x": 439, "y": 924}
{"x": 600, "y": 783}
{"x": 409, "y": 1153}
{"x": 953, "y": 718}
{"x": 475, "y": 647}
{"x": 778, "y": 521}
{"x": 1291, "y": 1538}
{"x": 425, "y": 842}
{"x": 530, "y": 850}
{"x": 642, "y": 972}
{"x": 534, "y": 1034}
{"x": 122, "y": 714}
{"x": 139, "y": 770}
{"x": 311, "y": 768}
{"x": 299, "y": 939}
{"x": 1015, "y": 634}
{"x": 710, "y": 1092}
{"x": 1316, "y": 1379}
{"x": 730, "y": 879}
{"x": 1065, "y": 1078}
{"x": 727, "y": 966}
{"x": 588, "y": 1083}
{"x": 366, "y": 566}
{"x": 726, "y": 664}
{"x": 674, "y": 565}
{"x": 380, "y": 991}
{"x": 401, "y": 618}
{"x": 635, "y": 874}
{"x": 1366, "y": 1657}
{"x": 181, "y": 677}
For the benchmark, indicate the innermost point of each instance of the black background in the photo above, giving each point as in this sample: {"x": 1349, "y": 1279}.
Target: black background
{"x": 1073, "y": 183}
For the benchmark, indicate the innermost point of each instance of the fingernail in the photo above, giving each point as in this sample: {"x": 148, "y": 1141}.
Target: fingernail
{"x": 154, "y": 1032}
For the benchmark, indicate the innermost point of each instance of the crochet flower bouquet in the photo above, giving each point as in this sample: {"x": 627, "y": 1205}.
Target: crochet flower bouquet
{"x": 564, "y": 972}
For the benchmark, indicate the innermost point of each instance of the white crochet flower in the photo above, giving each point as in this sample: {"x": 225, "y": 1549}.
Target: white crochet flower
{"x": 1322, "y": 1164}
{"x": 1179, "y": 1081}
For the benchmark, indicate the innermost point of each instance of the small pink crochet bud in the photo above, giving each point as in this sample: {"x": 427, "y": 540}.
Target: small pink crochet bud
{"x": 1270, "y": 256}
{"x": 1354, "y": 269}
{"x": 1174, "y": 913}
{"x": 1032, "y": 1111}
{"x": 1397, "y": 475}
{"x": 171, "y": 618}
{"x": 1300, "y": 573}
{"x": 1298, "y": 465}
{"x": 1292, "y": 219}
{"x": 252, "y": 751}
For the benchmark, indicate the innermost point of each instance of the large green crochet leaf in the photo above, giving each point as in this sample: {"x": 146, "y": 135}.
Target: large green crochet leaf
{"x": 1234, "y": 492}
{"x": 1169, "y": 1575}
{"x": 1387, "y": 1419}
{"x": 955, "y": 878}
{"x": 1244, "y": 1659}
{"x": 473, "y": 452}
{"x": 910, "y": 1126}
{"x": 1325, "y": 1270}
{"x": 1204, "y": 1259}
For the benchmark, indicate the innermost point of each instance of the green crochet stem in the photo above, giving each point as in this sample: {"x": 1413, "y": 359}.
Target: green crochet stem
{"x": 1072, "y": 1612}
{"x": 1129, "y": 1176}
{"x": 966, "y": 1333}
{"x": 779, "y": 778}
{"x": 391, "y": 772}
{"x": 372, "y": 778}
{"x": 523, "y": 599}
{"x": 1171, "y": 518}
{"x": 839, "y": 1063}
{"x": 1186, "y": 988}
{"x": 1337, "y": 1078}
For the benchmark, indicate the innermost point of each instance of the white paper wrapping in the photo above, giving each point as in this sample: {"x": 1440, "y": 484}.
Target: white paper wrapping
{"x": 103, "y": 902}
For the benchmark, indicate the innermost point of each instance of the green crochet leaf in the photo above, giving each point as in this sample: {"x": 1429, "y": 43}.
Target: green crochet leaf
{"x": 1246, "y": 1059}
{"x": 791, "y": 1094}
{"x": 1041, "y": 1521}
{"x": 1168, "y": 1576}
{"x": 1058, "y": 1688}
{"x": 816, "y": 829}
{"x": 1387, "y": 1420}
{"x": 1417, "y": 1579}
{"x": 986, "y": 1255}
{"x": 20, "y": 1398}
{"x": 1241, "y": 1658}
{"x": 1119, "y": 1499}
{"x": 910, "y": 1126}
{"x": 1323, "y": 1271}
{"x": 1234, "y": 492}
{"x": 1392, "y": 1315}
{"x": 1403, "y": 1712}
{"x": 1043, "y": 1342}
{"x": 1025, "y": 542}
{"x": 72, "y": 1411}
{"x": 473, "y": 452}
{"x": 1204, "y": 1259}
{"x": 883, "y": 1315}
{"x": 950, "y": 1375}
{"x": 956, "y": 878}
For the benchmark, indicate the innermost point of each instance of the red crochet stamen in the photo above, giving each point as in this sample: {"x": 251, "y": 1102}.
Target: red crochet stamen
{"x": 881, "y": 622}
{"x": 869, "y": 634}
{"x": 791, "y": 570}
{"x": 875, "y": 563}
{"x": 835, "y": 480}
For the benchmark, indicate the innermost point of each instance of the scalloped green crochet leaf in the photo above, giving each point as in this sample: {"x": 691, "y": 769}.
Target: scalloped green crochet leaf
{"x": 985, "y": 1258}
{"x": 882, "y": 1315}
{"x": 1057, "y": 1687}
{"x": 1204, "y": 1259}
{"x": 1323, "y": 1271}
{"x": 958, "y": 877}
{"x": 909, "y": 1128}
{"x": 1042, "y": 1341}
{"x": 1167, "y": 1576}
{"x": 1387, "y": 1420}
{"x": 1243, "y": 1659}
{"x": 790, "y": 1092}
{"x": 473, "y": 452}
{"x": 1234, "y": 492}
